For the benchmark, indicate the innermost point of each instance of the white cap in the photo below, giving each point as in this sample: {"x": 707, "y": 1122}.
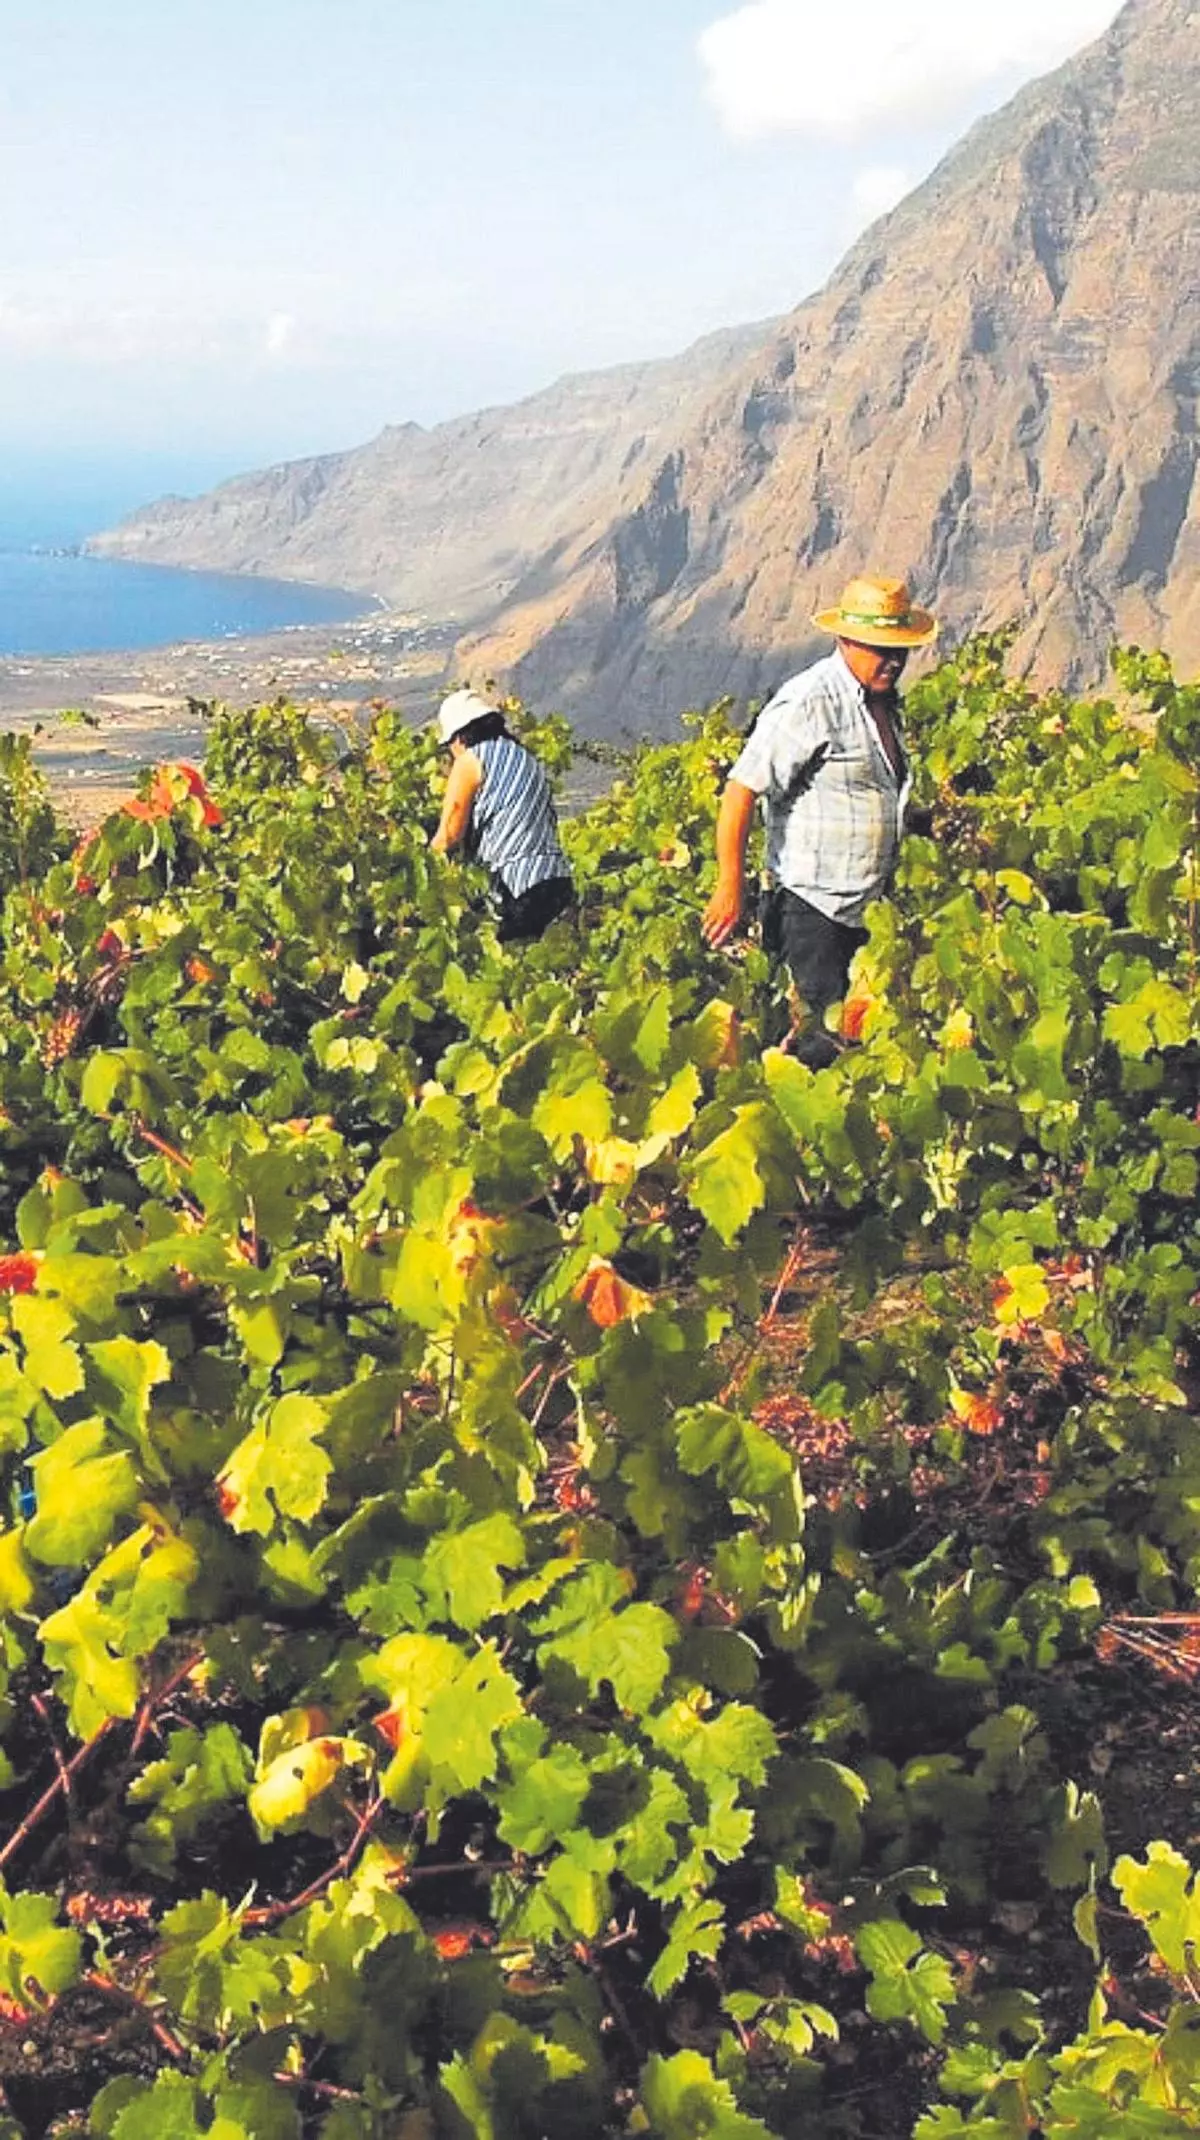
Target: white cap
{"x": 459, "y": 710}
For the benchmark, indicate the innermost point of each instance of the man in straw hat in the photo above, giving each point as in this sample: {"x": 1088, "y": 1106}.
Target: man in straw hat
{"x": 827, "y": 761}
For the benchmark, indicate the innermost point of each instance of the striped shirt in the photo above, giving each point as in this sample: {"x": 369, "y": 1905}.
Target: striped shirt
{"x": 834, "y": 806}
{"x": 514, "y": 831}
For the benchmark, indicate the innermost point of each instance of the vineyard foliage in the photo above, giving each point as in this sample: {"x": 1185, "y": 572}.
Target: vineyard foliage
{"x": 547, "y": 1545}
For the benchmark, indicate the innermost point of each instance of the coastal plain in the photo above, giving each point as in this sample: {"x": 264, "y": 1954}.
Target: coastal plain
{"x": 99, "y": 719}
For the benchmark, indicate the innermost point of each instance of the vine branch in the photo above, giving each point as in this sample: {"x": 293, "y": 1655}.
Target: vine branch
{"x": 273, "y": 1913}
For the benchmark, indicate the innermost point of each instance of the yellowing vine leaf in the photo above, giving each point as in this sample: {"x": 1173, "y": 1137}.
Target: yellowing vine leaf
{"x": 958, "y": 1031}
{"x": 683, "y": 2097}
{"x": 279, "y": 1469}
{"x": 979, "y": 1413}
{"x": 585, "y": 1112}
{"x": 674, "y": 1110}
{"x": 463, "y": 1719}
{"x": 1022, "y": 1295}
{"x": 84, "y": 1483}
{"x": 83, "y": 1642}
{"x": 47, "y": 1330}
{"x": 296, "y": 1778}
{"x": 714, "y": 1037}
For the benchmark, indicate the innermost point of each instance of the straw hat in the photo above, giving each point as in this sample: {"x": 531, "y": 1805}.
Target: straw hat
{"x": 458, "y": 711}
{"x": 878, "y": 612}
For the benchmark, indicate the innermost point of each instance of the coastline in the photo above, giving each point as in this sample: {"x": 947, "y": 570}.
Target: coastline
{"x": 140, "y": 704}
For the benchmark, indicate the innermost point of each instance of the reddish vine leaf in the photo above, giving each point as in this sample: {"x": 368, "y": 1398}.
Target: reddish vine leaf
{"x": 609, "y": 1298}
{"x": 19, "y": 1273}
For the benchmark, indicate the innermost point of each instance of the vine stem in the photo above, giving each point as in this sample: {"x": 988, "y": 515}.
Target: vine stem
{"x": 69, "y": 1770}
{"x": 327, "y": 2090}
{"x": 110, "y": 1989}
{"x": 557, "y": 1376}
{"x": 247, "y": 1249}
{"x": 159, "y": 1144}
{"x": 61, "y": 1784}
{"x": 590, "y": 1959}
{"x": 792, "y": 1262}
{"x": 481, "y": 1867}
{"x": 59, "y": 1757}
{"x": 529, "y": 1381}
{"x": 1157, "y": 1619}
{"x": 273, "y": 1913}
{"x": 153, "y": 1702}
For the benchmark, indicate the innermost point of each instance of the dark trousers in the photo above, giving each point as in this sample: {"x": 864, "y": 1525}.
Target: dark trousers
{"x": 817, "y": 953}
{"x": 530, "y": 913}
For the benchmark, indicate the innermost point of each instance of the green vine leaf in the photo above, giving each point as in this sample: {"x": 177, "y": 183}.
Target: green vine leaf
{"x": 696, "y": 1933}
{"x": 464, "y": 1718}
{"x": 463, "y": 1570}
{"x": 724, "y": 1180}
{"x": 629, "y": 1652}
{"x": 684, "y": 2098}
{"x": 39, "y": 1958}
{"x": 1165, "y": 1897}
{"x": 907, "y": 1982}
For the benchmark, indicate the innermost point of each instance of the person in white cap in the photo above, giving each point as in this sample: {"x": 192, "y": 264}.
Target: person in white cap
{"x": 827, "y": 761}
{"x": 498, "y": 808}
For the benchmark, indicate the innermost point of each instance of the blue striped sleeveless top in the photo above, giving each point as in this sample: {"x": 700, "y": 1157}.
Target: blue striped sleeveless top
{"x": 513, "y": 826}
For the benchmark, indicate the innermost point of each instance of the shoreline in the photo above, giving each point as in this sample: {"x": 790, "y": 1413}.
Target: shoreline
{"x": 90, "y": 550}
{"x": 140, "y": 705}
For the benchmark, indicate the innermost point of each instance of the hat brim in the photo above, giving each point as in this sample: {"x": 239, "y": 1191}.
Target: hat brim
{"x": 468, "y": 708}
{"x": 921, "y": 630}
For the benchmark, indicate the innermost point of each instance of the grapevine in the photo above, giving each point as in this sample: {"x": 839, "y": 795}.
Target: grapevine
{"x": 563, "y": 1573}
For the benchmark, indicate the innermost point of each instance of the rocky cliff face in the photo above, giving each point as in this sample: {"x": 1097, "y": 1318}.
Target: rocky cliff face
{"x": 997, "y": 394}
{"x": 447, "y": 522}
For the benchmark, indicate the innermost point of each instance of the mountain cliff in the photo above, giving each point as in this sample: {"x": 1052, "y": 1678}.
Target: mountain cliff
{"x": 996, "y": 394}
{"x": 445, "y": 522}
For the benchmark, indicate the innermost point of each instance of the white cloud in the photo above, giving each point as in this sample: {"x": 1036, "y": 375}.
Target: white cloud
{"x": 37, "y": 325}
{"x": 280, "y": 329}
{"x": 802, "y": 66}
{"x": 877, "y": 189}
{"x": 95, "y": 316}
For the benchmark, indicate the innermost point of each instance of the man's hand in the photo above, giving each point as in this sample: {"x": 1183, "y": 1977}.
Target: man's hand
{"x": 724, "y": 909}
{"x": 722, "y": 914}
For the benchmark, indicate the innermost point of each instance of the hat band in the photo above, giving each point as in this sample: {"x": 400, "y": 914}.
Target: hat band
{"x": 893, "y": 623}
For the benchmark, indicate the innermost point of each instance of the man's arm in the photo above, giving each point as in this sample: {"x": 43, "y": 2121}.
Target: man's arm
{"x": 724, "y": 909}
{"x": 466, "y": 774}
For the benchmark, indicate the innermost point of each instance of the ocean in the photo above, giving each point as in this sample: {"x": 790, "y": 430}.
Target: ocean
{"x": 54, "y": 600}
{"x": 70, "y": 604}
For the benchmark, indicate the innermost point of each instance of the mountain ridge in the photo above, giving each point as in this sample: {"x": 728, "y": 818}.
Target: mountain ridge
{"x": 442, "y": 519}
{"x": 995, "y": 393}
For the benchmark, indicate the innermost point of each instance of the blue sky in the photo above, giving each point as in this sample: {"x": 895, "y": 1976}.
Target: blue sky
{"x": 237, "y": 230}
